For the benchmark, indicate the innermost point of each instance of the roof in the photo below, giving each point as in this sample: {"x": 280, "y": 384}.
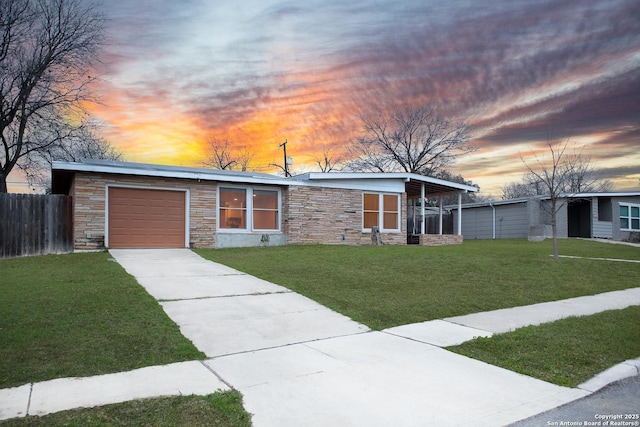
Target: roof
{"x": 543, "y": 197}
{"x": 413, "y": 182}
{"x": 62, "y": 174}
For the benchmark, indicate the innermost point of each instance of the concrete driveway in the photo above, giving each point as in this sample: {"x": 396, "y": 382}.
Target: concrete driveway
{"x": 298, "y": 363}
{"x": 223, "y": 311}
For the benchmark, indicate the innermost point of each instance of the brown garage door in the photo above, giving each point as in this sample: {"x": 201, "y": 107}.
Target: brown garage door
{"x": 141, "y": 218}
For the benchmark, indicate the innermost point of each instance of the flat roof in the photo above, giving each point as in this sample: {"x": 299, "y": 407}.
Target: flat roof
{"x": 543, "y": 197}
{"x": 146, "y": 169}
{"x": 413, "y": 182}
{"x": 62, "y": 173}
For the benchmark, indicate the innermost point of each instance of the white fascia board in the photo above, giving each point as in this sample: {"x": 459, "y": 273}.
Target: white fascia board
{"x": 378, "y": 185}
{"x": 405, "y": 177}
{"x": 590, "y": 195}
{"x": 438, "y": 181}
{"x": 81, "y": 167}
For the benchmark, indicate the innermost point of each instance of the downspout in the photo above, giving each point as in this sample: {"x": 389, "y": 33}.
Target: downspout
{"x": 422, "y": 197}
{"x": 459, "y": 214}
{"x": 494, "y": 219}
{"x": 440, "y": 215}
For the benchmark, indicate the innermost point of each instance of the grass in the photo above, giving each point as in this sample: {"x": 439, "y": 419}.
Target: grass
{"x": 566, "y": 352}
{"x": 385, "y": 286}
{"x": 221, "y": 409}
{"x": 80, "y": 315}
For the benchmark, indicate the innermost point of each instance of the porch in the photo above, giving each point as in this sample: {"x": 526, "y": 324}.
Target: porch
{"x": 429, "y": 225}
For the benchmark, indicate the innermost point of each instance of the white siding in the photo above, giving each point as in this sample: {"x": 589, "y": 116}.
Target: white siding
{"x": 600, "y": 229}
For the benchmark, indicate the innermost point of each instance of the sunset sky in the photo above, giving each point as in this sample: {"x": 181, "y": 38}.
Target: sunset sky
{"x": 176, "y": 73}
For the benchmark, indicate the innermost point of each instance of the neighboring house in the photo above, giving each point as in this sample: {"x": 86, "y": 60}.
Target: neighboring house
{"x": 127, "y": 205}
{"x": 589, "y": 215}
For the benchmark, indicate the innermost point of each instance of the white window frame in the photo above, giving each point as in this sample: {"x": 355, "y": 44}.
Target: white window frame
{"x": 381, "y": 212}
{"x": 249, "y": 208}
{"x": 629, "y": 217}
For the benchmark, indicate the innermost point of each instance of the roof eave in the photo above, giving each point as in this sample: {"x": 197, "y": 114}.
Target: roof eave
{"x": 203, "y": 176}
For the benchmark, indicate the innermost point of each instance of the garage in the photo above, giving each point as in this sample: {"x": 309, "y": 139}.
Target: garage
{"x": 146, "y": 218}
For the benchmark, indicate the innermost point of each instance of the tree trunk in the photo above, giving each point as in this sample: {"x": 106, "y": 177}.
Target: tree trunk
{"x": 3, "y": 183}
{"x": 554, "y": 229}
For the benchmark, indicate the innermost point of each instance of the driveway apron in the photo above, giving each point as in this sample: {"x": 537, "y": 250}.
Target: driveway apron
{"x": 298, "y": 363}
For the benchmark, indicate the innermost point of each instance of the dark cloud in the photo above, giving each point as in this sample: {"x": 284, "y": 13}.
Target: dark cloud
{"x": 513, "y": 69}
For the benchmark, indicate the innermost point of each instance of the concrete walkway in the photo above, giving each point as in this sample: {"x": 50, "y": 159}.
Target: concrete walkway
{"x": 298, "y": 363}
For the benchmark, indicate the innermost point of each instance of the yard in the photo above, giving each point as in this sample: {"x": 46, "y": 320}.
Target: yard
{"x": 389, "y": 286}
{"x": 395, "y": 285}
{"x": 81, "y": 314}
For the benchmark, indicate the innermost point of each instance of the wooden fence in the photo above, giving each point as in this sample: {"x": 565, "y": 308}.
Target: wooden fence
{"x": 34, "y": 224}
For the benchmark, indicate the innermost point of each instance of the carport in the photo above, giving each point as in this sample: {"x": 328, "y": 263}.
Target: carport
{"x": 418, "y": 189}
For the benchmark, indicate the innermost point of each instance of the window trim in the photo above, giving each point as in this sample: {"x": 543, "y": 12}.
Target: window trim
{"x": 249, "y": 209}
{"x": 381, "y": 212}
{"x": 629, "y": 217}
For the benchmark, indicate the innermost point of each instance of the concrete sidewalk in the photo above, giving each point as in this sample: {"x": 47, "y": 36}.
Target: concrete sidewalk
{"x": 298, "y": 363}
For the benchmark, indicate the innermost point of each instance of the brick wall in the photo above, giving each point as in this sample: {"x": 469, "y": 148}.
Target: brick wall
{"x": 330, "y": 216}
{"x": 89, "y": 191}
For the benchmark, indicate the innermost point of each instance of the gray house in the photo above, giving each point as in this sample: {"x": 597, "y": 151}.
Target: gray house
{"x": 588, "y": 215}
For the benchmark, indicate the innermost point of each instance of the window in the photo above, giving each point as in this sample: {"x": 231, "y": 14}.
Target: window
{"x": 265, "y": 210}
{"x": 604, "y": 209}
{"x": 233, "y": 208}
{"x": 248, "y": 209}
{"x": 381, "y": 210}
{"x": 629, "y": 217}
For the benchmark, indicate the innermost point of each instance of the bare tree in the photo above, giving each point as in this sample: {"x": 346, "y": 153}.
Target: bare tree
{"x": 84, "y": 144}
{"x": 329, "y": 162}
{"x": 222, "y": 156}
{"x": 453, "y": 199}
{"x": 529, "y": 186}
{"x": 583, "y": 178}
{"x": 414, "y": 140}
{"x": 557, "y": 175}
{"x": 46, "y": 50}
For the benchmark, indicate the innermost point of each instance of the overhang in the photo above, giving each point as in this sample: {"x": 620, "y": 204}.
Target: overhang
{"x": 62, "y": 171}
{"x": 412, "y": 182}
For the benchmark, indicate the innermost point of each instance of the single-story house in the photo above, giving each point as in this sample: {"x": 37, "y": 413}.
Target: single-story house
{"x": 612, "y": 215}
{"x": 133, "y": 205}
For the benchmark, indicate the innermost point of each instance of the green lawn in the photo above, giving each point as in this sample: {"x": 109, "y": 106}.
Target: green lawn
{"x": 80, "y": 315}
{"x": 567, "y": 352}
{"x": 222, "y": 409}
{"x": 385, "y": 286}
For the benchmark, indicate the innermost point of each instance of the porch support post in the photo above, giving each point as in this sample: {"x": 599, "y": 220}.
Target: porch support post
{"x": 440, "y": 215}
{"x": 422, "y": 197}
{"x": 459, "y": 214}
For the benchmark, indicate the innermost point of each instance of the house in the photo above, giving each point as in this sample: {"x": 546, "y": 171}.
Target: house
{"x": 133, "y": 205}
{"x": 612, "y": 215}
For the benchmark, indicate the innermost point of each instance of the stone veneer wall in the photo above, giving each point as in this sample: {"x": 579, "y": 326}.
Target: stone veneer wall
{"x": 440, "y": 239}
{"x": 89, "y": 192}
{"x": 331, "y": 216}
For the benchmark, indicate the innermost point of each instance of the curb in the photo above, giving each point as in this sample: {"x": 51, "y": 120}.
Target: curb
{"x": 627, "y": 369}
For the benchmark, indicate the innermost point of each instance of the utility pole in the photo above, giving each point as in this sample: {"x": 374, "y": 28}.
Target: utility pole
{"x": 286, "y": 159}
